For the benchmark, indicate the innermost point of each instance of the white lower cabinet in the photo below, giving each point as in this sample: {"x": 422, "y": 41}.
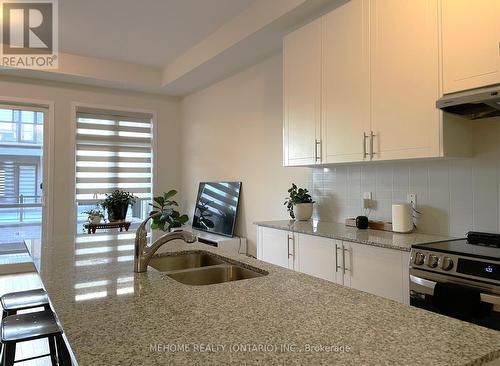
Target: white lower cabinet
{"x": 274, "y": 246}
{"x": 379, "y": 271}
{"x": 315, "y": 256}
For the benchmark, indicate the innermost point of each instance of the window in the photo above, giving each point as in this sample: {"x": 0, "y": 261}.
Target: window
{"x": 113, "y": 151}
{"x": 21, "y": 126}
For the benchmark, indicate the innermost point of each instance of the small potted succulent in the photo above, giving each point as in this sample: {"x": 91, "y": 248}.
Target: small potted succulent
{"x": 117, "y": 204}
{"x": 165, "y": 217}
{"x": 299, "y": 203}
{"x": 94, "y": 216}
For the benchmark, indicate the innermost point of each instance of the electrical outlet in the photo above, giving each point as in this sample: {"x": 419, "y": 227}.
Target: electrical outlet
{"x": 412, "y": 199}
{"x": 366, "y": 203}
{"x": 367, "y": 200}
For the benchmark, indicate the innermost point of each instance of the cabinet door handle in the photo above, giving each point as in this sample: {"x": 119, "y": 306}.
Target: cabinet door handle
{"x": 317, "y": 157}
{"x": 288, "y": 247}
{"x": 372, "y": 135}
{"x": 336, "y": 259}
{"x": 343, "y": 259}
{"x": 365, "y": 153}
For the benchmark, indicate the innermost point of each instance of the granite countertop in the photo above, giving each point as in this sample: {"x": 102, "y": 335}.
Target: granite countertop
{"x": 113, "y": 316}
{"x": 385, "y": 239}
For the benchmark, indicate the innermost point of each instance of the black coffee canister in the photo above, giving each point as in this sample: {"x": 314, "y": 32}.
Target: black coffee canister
{"x": 362, "y": 222}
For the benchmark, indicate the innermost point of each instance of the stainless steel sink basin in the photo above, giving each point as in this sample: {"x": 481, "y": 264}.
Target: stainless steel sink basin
{"x": 201, "y": 268}
{"x": 184, "y": 261}
{"x": 215, "y": 274}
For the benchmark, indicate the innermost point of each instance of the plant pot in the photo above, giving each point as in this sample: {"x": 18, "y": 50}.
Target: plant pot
{"x": 117, "y": 213}
{"x": 303, "y": 211}
{"x": 96, "y": 220}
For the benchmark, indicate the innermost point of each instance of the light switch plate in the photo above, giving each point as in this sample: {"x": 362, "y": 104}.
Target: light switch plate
{"x": 367, "y": 195}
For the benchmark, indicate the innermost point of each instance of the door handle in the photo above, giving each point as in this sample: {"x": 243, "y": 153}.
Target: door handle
{"x": 343, "y": 259}
{"x": 336, "y": 259}
{"x": 316, "y": 155}
{"x": 365, "y": 153}
{"x": 372, "y": 135}
{"x": 288, "y": 246}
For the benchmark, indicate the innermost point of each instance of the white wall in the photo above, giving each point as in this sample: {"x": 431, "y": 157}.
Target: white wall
{"x": 63, "y": 95}
{"x": 453, "y": 195}
{"x": 233, "y": 131}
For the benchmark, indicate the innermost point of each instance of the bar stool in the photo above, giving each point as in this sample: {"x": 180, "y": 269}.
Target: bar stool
{"x": 23, "y": 300}
{"x": 28, "y": 327}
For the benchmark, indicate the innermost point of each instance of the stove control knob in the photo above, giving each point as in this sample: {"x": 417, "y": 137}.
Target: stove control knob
{"x": 418, "y": 259}
{"x": 446, "y": 263}
{"x": 432, "y": 261}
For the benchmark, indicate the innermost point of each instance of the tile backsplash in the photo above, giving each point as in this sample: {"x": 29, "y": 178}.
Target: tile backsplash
{"x": 453, "y": 195}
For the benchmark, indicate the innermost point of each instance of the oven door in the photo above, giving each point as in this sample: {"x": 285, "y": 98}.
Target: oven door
{"x": 422, "y": 289}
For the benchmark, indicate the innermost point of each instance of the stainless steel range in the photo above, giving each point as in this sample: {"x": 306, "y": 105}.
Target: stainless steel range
{"x": 459, "y": 278}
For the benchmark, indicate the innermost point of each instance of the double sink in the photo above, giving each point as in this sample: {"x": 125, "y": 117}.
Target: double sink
{"x": 201, "y": 268}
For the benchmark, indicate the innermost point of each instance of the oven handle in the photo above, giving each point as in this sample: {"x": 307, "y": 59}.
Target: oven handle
{"x": 428, "y": 289}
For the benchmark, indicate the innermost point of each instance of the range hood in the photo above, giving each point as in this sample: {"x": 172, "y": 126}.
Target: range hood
{"x": 473, "y": 104}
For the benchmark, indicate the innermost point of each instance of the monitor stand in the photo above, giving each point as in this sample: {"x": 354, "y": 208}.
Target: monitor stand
{"x": 234, "y": 244}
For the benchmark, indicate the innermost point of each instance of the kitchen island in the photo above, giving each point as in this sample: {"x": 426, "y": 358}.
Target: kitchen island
{"x": 113, "y": 316}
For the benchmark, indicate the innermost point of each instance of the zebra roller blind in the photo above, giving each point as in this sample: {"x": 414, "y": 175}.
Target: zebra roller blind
{"x": 113, "y": 151}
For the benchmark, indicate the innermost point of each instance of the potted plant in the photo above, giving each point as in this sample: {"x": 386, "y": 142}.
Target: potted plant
{"x": 165, "y": 217}
{"x": 299, "y": 203}
{"x": 117, "y": 203}
{"x": 94, "y": 216}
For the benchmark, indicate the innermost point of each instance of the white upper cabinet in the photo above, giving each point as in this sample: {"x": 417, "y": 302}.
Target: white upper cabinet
{"x": 361, "y": 82}
{"x": 302, "y": 95}
{"x": 471, "y": 43}
{"x": 404, "y": 79}
{"x": 346, "y": 82}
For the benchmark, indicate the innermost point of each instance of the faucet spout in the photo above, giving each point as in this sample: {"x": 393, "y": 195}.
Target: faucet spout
{"x": 143, "y": 252}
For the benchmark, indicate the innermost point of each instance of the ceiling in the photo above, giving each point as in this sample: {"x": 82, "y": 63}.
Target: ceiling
{"x": 170, "y": 47}
{"x": 147, "y": 32}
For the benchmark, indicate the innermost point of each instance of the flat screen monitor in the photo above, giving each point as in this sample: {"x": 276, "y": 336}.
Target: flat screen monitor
{"x": 216, "y": 207}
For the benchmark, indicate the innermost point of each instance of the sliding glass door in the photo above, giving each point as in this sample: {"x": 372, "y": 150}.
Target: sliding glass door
{"x": 21, "y": 172}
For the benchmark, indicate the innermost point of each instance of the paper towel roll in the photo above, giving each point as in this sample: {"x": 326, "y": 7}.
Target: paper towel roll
{"x": 402, "y": 221}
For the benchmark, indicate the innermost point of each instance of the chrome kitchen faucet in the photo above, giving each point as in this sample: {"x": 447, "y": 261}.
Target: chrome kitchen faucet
{"x": 143, "y": 252}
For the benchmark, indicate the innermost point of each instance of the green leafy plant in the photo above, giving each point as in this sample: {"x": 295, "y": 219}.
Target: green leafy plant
{"x": 117, "y": 203}
{"x": 165, "y": 217}
{"x": 117, "y": 198}
{"x": 296, "y": 195}
{"x": 94, "y": 213}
